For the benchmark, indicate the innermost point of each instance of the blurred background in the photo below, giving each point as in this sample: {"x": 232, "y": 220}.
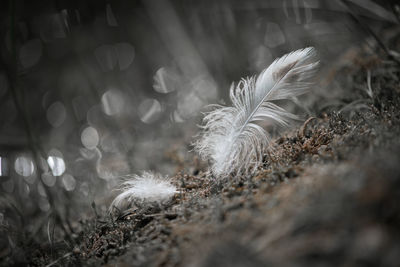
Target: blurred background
{"x": 94, "y": 90}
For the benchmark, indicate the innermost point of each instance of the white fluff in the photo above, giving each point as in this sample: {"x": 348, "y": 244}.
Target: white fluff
{"x": 232, "y": 138}
{"x": 148, "y": 187}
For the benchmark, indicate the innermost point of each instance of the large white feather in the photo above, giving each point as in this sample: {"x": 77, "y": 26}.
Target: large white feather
{"x": 232, "y": 138}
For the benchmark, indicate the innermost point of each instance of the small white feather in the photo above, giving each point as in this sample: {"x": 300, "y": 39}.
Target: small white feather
{"x": 148, "y": 187}
{"x": 232, "y": 138}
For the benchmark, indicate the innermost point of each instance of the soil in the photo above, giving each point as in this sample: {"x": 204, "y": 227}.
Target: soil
{"x": 327, "y": 195}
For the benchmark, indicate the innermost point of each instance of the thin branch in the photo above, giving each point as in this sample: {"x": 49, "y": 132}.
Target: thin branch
{"x": 367, "y": 29}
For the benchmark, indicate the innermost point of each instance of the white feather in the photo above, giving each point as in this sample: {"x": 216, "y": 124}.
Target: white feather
{"x": 232, "y": 139}
{"x": 148, "y": 187}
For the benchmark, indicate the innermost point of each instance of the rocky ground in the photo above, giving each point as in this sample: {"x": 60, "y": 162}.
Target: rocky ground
{"x": 327, "y": 195}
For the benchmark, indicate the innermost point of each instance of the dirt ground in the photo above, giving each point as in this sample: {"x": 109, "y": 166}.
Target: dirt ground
{"x": 327, "y": 195}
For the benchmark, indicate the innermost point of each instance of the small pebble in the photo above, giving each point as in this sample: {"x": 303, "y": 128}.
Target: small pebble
{"x": 323, "y": 148}
{"x": 76, "y": 250}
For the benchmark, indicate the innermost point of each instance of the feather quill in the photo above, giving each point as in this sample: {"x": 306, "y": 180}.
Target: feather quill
{"x": 232, "y": 138}
{"x": 148, "y": 187}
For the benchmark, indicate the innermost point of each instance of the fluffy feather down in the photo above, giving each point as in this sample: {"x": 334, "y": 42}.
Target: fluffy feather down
{"x": 232, "y": 138}
{"x": 148, "y": 187}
